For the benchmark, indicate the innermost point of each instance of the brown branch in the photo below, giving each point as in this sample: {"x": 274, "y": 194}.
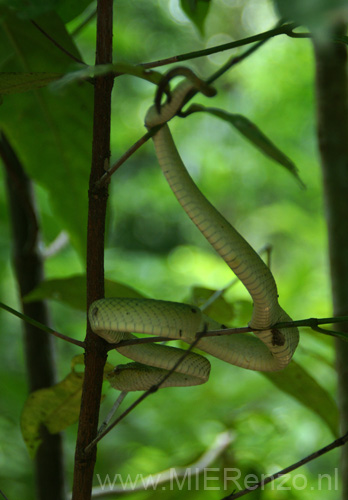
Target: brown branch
{"x": 96, "y": 352}
{"x": 335, "y": 444}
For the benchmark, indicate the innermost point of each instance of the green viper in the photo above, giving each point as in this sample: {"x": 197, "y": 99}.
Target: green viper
{"x": 115, "y": 318}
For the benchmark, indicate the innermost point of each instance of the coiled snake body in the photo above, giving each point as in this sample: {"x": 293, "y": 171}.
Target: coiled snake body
{"x": 115, "y": 318}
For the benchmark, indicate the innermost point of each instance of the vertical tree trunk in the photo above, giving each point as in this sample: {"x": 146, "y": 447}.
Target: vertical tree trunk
{"x": 96, "y": 351}
{"x": 331, "y": 88}
{"x": 39, "y": 347}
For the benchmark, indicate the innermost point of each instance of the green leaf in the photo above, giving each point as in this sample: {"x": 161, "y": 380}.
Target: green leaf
{"x": 251, "y": 132}
{"x": 72, "y": 291}
{"x": 196, "y": 11}
{"x": 294, "y": 380}
{"x": 13, "y": 83}
{"x": 51, "y": 130}
{"x": 55, "y": 407}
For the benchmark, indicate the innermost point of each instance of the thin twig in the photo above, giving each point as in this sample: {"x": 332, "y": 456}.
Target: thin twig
{"x": 310, "y": 322}
{"x": 112, "y": 412}
{"x": 39, "y": 325}
{"x": 237, "y": 59}
{"x": 105, "y": 177}
{"x": 58, "y": 45}
{"x": 144, "y": 395}
{"x": 3, "y": 495}
{"x": 335, "y": 444}
{"x": 285, "y": 29}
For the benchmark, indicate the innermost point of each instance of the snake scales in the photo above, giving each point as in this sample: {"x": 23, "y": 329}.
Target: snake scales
{"x": 115, "y": 319}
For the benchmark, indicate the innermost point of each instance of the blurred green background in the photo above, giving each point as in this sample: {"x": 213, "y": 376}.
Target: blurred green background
{"x": 153, "y": 247}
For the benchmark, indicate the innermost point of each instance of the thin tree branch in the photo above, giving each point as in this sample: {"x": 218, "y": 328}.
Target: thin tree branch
{"x": 41, "y": 326}
{"x": 112, "y": 412}
{"x": 3, "y": 495}
{"x": 335, "y": 444}
{"x": 235, "y": 60}
{"x": 285, "y": 29}
{"x": 310, "y": 322}
{"x": 58, "y": 45}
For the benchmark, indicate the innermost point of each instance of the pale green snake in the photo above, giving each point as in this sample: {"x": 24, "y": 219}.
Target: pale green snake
{"x": 115, "y": 318}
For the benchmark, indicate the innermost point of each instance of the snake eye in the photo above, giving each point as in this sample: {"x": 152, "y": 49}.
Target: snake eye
{"x": 95, "y": 311}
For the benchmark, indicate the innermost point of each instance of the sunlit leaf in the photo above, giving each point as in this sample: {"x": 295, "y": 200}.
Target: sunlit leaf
{"x": 294, "y": 380}
{"x": 72, "y": 291}
{"x": 55, "y": 408}
{"x": 251, "y": 132}
{"x": 196, "y": 11}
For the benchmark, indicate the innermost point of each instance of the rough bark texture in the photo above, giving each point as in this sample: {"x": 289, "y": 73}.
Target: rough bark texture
{"x": 96, "y": 353}
{"x": 39, "y": 346}
{"x": 331, "y": 87}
